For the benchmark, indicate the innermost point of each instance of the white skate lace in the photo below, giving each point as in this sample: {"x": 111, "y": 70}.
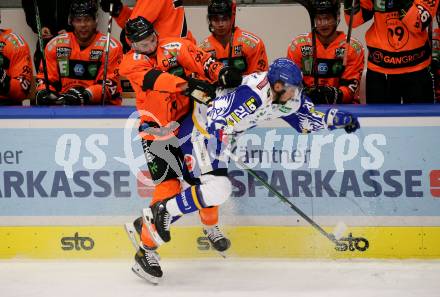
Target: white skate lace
{"x": 166, "y": 221}
{"x": 152, "y": 258}
{"x": 214, "y": 233}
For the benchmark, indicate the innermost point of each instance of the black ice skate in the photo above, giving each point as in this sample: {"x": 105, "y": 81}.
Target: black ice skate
{"x": 217, "y": 239}
{"x": 147, "y": 266}
{"x": 158, "y": 221}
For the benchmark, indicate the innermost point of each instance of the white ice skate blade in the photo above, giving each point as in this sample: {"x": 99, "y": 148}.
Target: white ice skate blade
{"x": 147, "y": 216}
{"x": 131, "y": 232}
{"x": 136, "y": 268}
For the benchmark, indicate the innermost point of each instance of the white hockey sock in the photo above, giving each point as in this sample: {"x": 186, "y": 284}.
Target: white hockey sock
{"x": 173, "y": 208}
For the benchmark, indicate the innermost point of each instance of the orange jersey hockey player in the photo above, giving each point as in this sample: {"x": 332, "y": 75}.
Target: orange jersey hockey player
{"x": 15, "y": 68}
{"x": 248, "y": 53}
{"x": 160, "y": 72}
{"x": 336, "y": 83}
{"x": 167, "y": 16}
{"x": 399, "y": 51}
{"x": 75, "y": 63}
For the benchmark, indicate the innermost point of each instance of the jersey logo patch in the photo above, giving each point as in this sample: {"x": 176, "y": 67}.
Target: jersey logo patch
{"x": 96, "y": 55}
{"x": 172, "y": 46}
{"x": 306, "y": 51}
{"x": 262, "y": 83}
{"x": 63, "y": 52}
{"x": 237, "y": 50}
{"x": 77, "y": 69}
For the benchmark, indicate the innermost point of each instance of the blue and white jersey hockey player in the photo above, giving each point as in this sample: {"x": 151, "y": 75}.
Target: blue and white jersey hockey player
{"x": 261, "y": 97}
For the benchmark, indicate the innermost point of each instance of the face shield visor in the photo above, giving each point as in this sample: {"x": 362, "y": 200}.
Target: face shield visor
{"x": 284, "y": 92}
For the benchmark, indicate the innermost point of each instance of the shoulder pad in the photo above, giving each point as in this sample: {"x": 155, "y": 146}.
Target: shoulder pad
{"x": 356, "y": 45}
{"x": 62, "y": 39}
{"x": 205, "y": 45}
{"x": 15, "y": 39}
{"x": 250, "y": 36}
{"x": 302, "y": 38}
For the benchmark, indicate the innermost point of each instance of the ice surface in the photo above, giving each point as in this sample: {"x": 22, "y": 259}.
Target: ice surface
{"x": 218, "y": 277}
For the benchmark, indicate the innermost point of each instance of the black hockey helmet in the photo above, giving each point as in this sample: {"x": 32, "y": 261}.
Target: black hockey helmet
{"x": 138, "y": 29}
{"x": 327, "y": 6}
{"x": 80, "y": 8}
{"x": 220, "y": 7}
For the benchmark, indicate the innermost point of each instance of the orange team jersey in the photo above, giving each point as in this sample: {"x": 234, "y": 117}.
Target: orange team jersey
{"x": 397, "y": 42}
{"x": 167, "y": 16}
{"x": 331, "y": 71}
{"x": 436, "y": 61}
{"x": 158, "y": 80}
{"x": 248, "y": 54}
{"x": 68, "y": 66}
{"x": 15, "y": 59}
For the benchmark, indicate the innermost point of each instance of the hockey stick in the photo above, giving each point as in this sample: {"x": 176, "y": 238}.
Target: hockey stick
{"x": 350, "y": 28}
{"x": 41, "y": 45}
{"x": 231, "y": 40}
{"x": 307, "y": 4}
{"x": 329, "y": 236}
{"x": 107, "y": 50}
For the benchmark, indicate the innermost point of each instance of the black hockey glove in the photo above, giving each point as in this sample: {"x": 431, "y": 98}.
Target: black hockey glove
{"x": 403, "y": 6}
{"x": 338, "y": 119}
{"x": 348, "y": 4}
{"x": 117, "y": 6}
{"x": 46, "y": 98}
{"x": 76, "y": 96}
{"x": 201, "y": 91}
{"x": 324, "y": 95}
{"x": 4, "y": 82}
{"x": 229, "y": 77}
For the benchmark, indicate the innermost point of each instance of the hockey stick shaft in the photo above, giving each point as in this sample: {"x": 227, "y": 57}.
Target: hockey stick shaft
{"x": 308, "y": 6}
{"x": 41, "y": 45}
{"x": 107, "y": 53}
{"x": 237, "y": 160}
{"x": 350, "y": 29}
{"x": 231, "y": 40}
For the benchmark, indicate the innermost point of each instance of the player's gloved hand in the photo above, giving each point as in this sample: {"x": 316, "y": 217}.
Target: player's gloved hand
{"x": 76, "y": 96}
{"x": 117, "y": 6}
{"x": 201, "y": 91}
{"x": 348, "y": 6}
{"x": 337, "y": 119}
{"x": 47, "y": 98}
{"x": 4, "y": 82}
{"x": 229, "y": 77}
{"x": 403, "y": 6}
{"x": 324, "y": 94}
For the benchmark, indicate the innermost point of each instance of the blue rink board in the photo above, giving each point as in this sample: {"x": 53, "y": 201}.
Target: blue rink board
{"x": 121, "y": 112}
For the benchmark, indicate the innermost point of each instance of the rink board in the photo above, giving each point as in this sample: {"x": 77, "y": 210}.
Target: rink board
{"x": 69, "y": 179}
{"x": 91, "y": 242}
